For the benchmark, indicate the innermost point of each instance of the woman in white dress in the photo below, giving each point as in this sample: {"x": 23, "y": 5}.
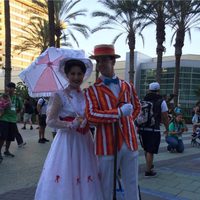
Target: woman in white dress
{"x": 70, "y": 170}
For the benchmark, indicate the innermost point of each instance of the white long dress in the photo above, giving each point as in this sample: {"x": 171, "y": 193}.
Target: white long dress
{"x": 70, "y": 170}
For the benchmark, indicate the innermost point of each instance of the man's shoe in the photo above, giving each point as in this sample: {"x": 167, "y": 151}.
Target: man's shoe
{"x": 170, "y": 149}
{"x": 8, "y": 154}
{"x": 41, "y": 141}
{"x": 22, "y": 145}
{"x": 45, "y": 140}
{"x": 150, "y": 174}
{"x": 24, "y": 127}
{"x": 31, "y": 128}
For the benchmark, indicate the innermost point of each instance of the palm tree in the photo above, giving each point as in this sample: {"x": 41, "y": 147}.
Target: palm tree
{"x": 127, "y": 19}
{"x": 185, "y": 15}
{"x": 65, "y": 19}
{"x": 35, "y": 37}
{"x": 155, "y": 12}
{"x": 7, "y": 43}
{"x": 51, "y": 23}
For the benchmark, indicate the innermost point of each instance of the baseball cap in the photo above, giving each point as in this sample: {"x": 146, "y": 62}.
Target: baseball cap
{"x": 178, "y": 111}
{"x": 154, "y": 86}
{"x": 11, "y": 85}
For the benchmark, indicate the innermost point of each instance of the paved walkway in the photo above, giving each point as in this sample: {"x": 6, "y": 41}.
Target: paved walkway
{"x": 178, "y": 174}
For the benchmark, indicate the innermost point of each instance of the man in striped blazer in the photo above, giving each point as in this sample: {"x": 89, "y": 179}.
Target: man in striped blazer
{"x": 112, "y": 106}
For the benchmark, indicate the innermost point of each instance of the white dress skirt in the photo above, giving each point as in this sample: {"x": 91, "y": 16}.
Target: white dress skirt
{"x": 70, "y": 171}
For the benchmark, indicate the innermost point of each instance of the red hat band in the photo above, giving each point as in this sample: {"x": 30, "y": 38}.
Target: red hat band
{"x": 104, "y": 51}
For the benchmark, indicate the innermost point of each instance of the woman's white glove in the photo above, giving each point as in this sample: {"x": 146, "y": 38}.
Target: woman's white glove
{"x": 75, "y": 123}
{"x": 126, "y": 109}
{"x": 83, "y": 123}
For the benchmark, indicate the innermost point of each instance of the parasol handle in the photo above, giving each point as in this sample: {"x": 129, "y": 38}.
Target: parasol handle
{"x": 56, "y": 76}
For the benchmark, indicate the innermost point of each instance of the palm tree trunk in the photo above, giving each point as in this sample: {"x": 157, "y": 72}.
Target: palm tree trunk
{"x": 159, "y": 66}
{"x": 178, "y": 53}
{"x": 176, "y": 80}
{"x": 131, "y": 62}
{"x": 58, "y": 34}
{"x": 160, "y": 37}
{"x": 57, "y": 42}
{"x": 131, "y": 45}
{"x": 51, "y": 23}
{"x": 7, "y": 43}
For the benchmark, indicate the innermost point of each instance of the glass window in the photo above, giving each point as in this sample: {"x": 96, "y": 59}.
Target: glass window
{"x": 195, "y": 75}
{"x": 186, "y": 69}
{"x": 195, "y": 81}
{"x": 196, "y": 70}
{"x": 185, "y": 75}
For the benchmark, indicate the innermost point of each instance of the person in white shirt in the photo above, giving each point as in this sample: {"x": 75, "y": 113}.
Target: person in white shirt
{"x": 42, "y": 109}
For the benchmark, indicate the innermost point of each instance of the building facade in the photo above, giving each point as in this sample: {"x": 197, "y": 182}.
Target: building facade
{"x": 188, "y": 84}
{"x": 19, "y": 17}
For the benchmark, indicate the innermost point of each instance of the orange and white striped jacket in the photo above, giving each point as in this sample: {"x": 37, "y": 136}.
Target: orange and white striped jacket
{"x": 102, "y": 111}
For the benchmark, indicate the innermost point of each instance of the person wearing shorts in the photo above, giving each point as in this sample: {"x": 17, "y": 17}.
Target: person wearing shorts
{"x": 150, "y": 141}
{"x": 28, "y": 111}
{"x": 150, "y": 136}
{"x": 42, "y": 109}
{"x": 8, "y": 121}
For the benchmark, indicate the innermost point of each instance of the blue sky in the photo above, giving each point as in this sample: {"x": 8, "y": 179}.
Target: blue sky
{"x": 106, "y": 37}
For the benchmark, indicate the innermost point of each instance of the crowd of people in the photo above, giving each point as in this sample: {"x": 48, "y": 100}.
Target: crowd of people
{"x": 11, "y": 109}
{"x": 80, "y": 166}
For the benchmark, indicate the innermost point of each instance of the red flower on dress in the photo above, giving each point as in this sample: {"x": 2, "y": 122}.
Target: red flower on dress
{"x": 89, "y": 179}
{"x": 99, "y": 176}
{"x": 57, "y": 179}
{"x": 78, "y": 181}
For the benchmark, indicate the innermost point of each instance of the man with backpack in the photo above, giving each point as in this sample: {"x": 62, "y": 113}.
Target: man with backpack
{"x": 42, "y": 109}
{"x": 154, "y": 110}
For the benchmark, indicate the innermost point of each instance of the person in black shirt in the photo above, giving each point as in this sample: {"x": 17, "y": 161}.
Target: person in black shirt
{"x": 150, "y": 136}
{"x": 28, "y": 111}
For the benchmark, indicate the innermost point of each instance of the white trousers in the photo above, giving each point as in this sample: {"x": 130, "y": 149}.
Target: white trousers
{"x": 127, "y": 161}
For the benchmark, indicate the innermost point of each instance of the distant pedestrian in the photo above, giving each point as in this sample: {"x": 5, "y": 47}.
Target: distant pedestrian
{"x": 42, "y": 109}
{"x": 36, "y": 114}
{"x": 150, "y": 132}
{"x": 28, "y": 111}
{"x": 176, "y": 128}
{"x": 8, "y": 121}
{"x": 196, "y": 120}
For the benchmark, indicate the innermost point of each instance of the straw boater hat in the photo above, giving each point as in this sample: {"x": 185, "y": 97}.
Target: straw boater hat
{"x": 104, "y": 50}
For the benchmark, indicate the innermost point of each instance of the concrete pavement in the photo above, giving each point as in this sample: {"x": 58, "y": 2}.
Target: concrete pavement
{"x": 178, "y": 174}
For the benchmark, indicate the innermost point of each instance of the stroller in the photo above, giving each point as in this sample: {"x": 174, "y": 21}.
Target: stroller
{"x": 195, "y": 141}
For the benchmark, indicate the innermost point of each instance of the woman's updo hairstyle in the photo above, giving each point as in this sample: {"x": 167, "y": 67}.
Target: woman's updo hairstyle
{"x": 73, "y": 62}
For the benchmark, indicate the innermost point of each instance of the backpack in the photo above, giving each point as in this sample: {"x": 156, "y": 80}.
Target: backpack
{"x": 149, "y": 115}
{"x": 43, "y": 102}
{"x": 146, "y": 115}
